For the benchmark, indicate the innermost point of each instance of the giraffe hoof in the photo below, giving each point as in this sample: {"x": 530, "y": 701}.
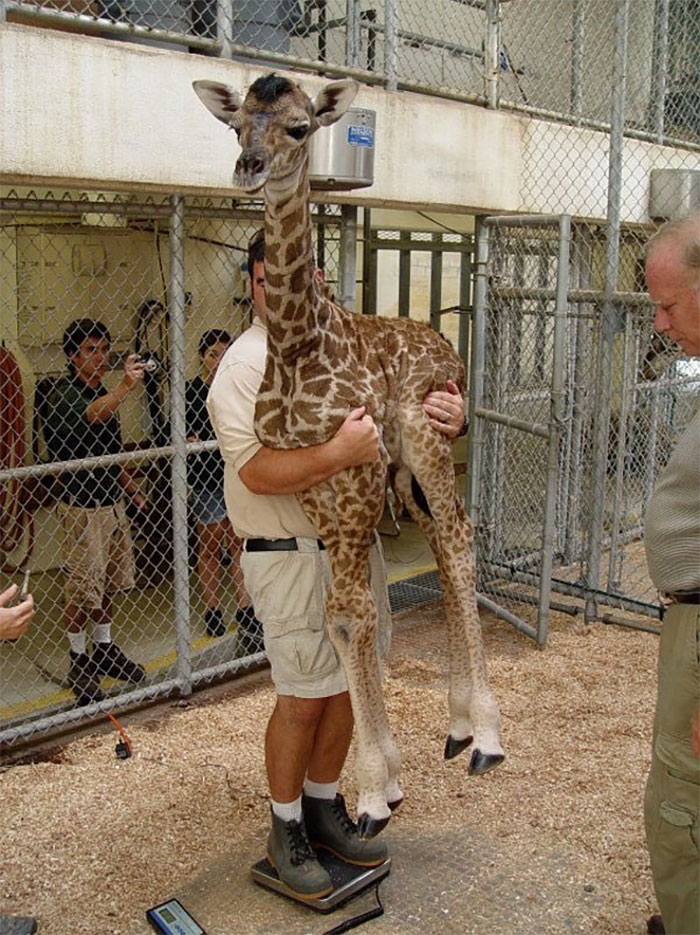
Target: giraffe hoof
{"x": 395, "y": 804}
{"x": 481, "y": 763}
{"x": 453, "y": 747}
{"x": 368, "y": 827}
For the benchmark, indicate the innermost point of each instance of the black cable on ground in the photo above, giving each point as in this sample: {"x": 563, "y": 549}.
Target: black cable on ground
{"x": 361, "y": 918}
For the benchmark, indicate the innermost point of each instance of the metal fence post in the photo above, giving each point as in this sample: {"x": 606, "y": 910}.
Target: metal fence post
{"x": 491, "y": 51}
{"x": 476, "y": 396}
{"x": 465, "y": 299}
{"x": 391, "y": 21}
{"x": 435, "y": 283}
{"x": 577, "y": 24}
{"x": 353, "y": 33}
{"x": 176, "y": 307}
{"x": 659, "y": 67}
{"x": 224, "y": 26}
{"x": 556, "y": 424}
{"x": 610, "y": 314}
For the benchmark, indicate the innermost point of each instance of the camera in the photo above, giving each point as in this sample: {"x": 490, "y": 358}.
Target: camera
{"x": 149, "y": 361}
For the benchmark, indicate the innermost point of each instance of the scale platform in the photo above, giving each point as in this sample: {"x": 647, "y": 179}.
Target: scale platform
{"x": 347, "y": 879}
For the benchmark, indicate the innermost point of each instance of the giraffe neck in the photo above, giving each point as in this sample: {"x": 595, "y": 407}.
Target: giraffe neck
{"x": 290, "y": 282}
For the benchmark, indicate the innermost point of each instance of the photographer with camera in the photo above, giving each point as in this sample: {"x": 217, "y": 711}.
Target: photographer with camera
{"x": 97, "y": 556}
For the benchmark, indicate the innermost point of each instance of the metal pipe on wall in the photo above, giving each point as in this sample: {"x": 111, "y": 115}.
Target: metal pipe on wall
{"x": 435, "y": 283}
{"x": 404, "y": 283}
{"x": 347, "y": 291}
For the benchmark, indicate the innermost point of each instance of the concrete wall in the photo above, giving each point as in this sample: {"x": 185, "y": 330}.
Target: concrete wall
{"x": 93, "y": 111}
{"x": 88, "y": 112}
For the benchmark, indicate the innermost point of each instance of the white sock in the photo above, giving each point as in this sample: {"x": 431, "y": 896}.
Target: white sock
{"x": 77, "y": 641}
{"x": 320, "y": 790}
{"x": 287, "y": 811}
{"x": 102, "y": 632}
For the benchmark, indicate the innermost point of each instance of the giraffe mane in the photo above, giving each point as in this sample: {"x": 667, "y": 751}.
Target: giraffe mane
{"x": 269, "y": 88}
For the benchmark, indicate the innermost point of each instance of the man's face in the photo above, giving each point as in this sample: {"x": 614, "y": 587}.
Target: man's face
{"x": 257, "y": 286}
{"x": 676, "y": 297}
{"x": 211, "y": 360}
{"x": 91, "y": 359}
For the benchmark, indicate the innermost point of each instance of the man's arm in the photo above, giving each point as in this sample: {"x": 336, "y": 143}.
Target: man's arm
{"x": 103, "y": 408}
{"x": 289, "y": 471}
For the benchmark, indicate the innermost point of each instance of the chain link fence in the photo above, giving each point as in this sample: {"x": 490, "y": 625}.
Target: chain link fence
{"x": 126, "y": 499}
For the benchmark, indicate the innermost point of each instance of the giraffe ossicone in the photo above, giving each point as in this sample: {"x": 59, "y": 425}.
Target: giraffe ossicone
{"x": 323, "y": 361}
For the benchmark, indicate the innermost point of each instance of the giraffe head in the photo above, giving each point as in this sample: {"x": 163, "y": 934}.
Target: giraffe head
{"x": 274, "y": 122}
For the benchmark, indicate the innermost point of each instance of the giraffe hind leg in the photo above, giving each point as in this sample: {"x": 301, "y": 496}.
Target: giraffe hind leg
{"x": 467, "y": 704}
{"x": 460, "y": 735}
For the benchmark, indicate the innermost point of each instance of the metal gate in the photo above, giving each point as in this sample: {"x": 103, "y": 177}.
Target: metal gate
{"x": 576, "y": 406}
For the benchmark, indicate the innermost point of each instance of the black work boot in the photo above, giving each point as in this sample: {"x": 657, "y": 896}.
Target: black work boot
{"x": 17, "y": 925}
{"x": 329, "y": 826}
{"x": 83, "y": 679}
{"x": 290, "y": 853}
{"x": 108, "y": 659}
{"x": 655, "y": 925}
{"x": 214, "y": 623}
{"x": 249, "y": 634}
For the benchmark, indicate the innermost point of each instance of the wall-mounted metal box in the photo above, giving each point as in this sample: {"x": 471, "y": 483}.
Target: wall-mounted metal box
{"x": 673, "y": 193}
{"x": 342, "y": 155}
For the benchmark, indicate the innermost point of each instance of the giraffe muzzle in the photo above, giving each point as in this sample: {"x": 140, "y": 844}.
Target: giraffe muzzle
{"x": 251, "y": 170}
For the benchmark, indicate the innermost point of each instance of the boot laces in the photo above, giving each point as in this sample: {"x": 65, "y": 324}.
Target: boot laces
{"x": 299, "y": 845}
{"x": 346, "y": 822}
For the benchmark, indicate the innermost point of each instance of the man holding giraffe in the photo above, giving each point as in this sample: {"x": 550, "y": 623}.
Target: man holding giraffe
{"x": 287, "y": 576}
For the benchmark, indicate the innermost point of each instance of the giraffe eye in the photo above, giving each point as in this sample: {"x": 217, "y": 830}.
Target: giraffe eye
{"x": 297, "y": 133}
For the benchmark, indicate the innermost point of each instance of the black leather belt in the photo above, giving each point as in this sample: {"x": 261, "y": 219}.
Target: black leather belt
{"x": 275, "y": 545}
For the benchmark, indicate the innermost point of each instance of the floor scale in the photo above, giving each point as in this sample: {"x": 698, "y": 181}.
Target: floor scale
{"x": 348, "y": 882}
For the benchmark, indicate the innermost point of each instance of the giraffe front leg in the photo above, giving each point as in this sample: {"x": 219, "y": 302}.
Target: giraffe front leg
{"x": 385, "y": 739}
{"x": 355, "y": 642}
{"x": 380, "y": 593}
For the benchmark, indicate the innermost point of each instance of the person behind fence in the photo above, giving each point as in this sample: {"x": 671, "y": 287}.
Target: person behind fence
{"x": 286, "y": 573}
{"x": 14, "y": 622}
{"x": 82, "y": 422}
{"x": 672, "y": 542}
{"x": 206, "y": 479}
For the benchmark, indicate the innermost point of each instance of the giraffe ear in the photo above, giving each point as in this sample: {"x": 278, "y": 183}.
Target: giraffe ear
{"x": 334, "y": 100}
{"x": 220, "y": 99}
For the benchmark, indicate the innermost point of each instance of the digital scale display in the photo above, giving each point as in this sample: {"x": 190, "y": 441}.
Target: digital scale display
{"x": 172, "y": 918}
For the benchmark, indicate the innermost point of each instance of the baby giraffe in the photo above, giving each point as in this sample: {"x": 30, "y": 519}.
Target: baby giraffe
{"x": 323, "y": 361}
